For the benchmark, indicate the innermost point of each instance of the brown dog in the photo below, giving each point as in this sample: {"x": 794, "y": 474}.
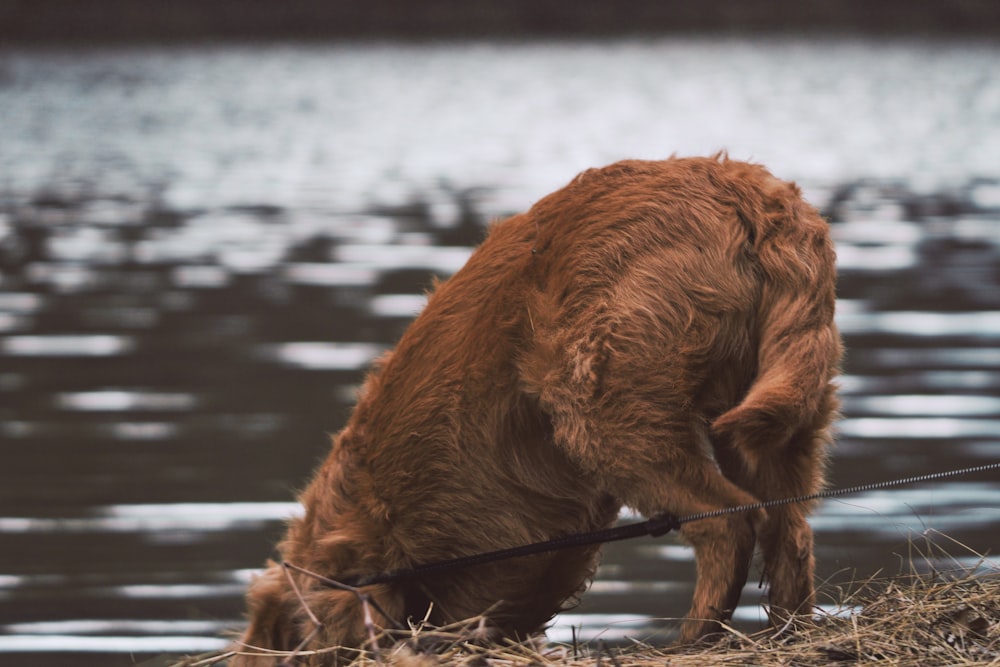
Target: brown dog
{"x": 655, "y": 334}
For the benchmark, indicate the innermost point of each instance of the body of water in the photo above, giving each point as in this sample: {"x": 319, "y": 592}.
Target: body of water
{"x": 202, "y": 248}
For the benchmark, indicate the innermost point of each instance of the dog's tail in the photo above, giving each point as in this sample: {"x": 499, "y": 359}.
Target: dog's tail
{"x": 798, "y": 344}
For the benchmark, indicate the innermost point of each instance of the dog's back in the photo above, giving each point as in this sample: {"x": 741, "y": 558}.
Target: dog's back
{"x": 655, "y": 334}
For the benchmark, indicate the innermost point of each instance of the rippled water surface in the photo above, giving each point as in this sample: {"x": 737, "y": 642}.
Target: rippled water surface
{"x": 203, "y": 248}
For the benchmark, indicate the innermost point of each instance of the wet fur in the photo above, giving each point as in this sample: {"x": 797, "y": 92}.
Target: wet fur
{"x": 655, "y": 334}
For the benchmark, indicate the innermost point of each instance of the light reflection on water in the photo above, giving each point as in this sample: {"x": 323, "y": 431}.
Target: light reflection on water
{"x": 937, "y": 428}
{"x": 108, "y": 643}
{"x": 109, "y": 400}
{"x": 923, "y": 404}
{"x": 974, "y": 325}
{"x": 324, "y": 356}
{"x": 181, "y": 327}
{"x": 154, "y": 518}
{"x": 93, "y": 345}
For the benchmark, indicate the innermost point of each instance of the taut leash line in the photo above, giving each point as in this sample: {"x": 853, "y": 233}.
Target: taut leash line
{"x": 847, "y": 491}
{"x": 657, "y": 526}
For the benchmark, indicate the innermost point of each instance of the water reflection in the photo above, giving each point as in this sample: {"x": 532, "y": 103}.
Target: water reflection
{"x": 934, "y": 428}
{"x": 153, "y": 518}
{"x": 923, "y": 404}
{"x": 608, "y": 627}
{"x": 324, "y": 356}
{"x": 110, "y": 400}
{"x": 96, "y": 345}
{"x": 908, "y": 323}
{"x": 44, "y": 642}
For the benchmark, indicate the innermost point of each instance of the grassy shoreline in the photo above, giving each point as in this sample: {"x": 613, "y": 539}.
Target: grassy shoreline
{"x": 940, "y": 613}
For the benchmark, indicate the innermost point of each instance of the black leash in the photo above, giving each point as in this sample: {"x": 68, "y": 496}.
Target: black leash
{"x": 655, "y": 527}
{"x": 850, "y": 490}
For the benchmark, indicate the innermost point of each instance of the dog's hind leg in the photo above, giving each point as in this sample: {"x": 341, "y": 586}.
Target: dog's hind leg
{"x": 622, "y": 412}
{"x": 790, "y": 470}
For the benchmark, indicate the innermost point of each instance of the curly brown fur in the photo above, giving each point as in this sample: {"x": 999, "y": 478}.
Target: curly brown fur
{"x": 655, "y": 334}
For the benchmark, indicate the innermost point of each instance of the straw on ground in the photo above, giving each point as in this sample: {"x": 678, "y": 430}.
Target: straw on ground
{"x": 940, "y": 613}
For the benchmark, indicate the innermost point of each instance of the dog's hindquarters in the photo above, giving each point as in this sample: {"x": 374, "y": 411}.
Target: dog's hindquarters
{"x": 723, "y": 312}
{"x": 798, "y": 345}
{"x": 774, "y": 442}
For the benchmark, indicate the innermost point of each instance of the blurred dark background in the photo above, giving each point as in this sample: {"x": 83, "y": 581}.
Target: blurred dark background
{"x": 137, "y": 20}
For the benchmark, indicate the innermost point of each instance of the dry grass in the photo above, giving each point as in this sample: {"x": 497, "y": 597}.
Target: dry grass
{"x": 939, "y": 613}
